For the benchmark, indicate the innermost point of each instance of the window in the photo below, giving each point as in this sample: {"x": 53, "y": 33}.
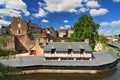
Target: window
{"x": 69, "y": 51}
{"x": 19, "y": 31}
{"x": 19, "y": 19}
{"x": 19, "y": 25}
{"x": 82, "y": 51}
{"x": 4, "y": 44}
{"x": 53, "y": 51}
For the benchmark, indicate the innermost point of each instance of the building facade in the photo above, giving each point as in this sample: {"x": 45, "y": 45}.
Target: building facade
{"x": 9, "y": 41}
{"x": 18, "y": 26}
{"x": 34, "y": 28}
{"x": 50, "y": 31}
{"x": 67, "y": 51}
{"x": 61, "y": 32}
{"x": 70, "y": 31}
{"x": 18, "y": 31}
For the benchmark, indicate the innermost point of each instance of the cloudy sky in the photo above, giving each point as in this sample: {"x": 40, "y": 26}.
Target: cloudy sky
{"x": 63, "y": 13}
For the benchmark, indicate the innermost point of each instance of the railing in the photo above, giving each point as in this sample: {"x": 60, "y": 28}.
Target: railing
{"x": 68, "y": 55}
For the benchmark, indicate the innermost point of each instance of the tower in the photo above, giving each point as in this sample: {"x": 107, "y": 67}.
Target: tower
{"x": 113, "y": 34}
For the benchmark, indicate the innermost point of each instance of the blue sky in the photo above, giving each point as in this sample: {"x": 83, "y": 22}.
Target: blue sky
{"x": 63, "y": 13}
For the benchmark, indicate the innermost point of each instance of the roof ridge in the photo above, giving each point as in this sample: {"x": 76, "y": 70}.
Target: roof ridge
{"x": 81, "y": 46}
{"x": 66, "y": 42}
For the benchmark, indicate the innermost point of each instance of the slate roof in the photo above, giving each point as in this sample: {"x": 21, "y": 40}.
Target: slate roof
{"x": 101, "y": 58}
{"x": 34, "y": 25}
{"x": 50, "y": 28}
{"x": 75, "y": 46}
{"x": 59, "y": 39}
{"x": 5, "y": 30}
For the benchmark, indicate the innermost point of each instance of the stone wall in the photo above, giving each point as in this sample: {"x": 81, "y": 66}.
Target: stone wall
{"x": 23, "y": 43}
{"x": 37, "y": 48}
{"x": 10, "y": 43}
{"x": 18, "y": 24}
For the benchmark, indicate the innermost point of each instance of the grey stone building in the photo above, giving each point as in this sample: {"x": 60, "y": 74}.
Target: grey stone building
{"x": 67, "y": 51}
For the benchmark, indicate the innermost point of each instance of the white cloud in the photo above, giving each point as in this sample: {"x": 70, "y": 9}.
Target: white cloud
{"x": 58, "y": 6}
{"x": 116, "y": 0}
{"x": 104, "y": 24}
{"x": 9, "y": 12}
{"x": 101, "y": 11}
{"x": 4, "y": 23}
{"x": 92, "y": 4}
{"x": 41, "y": 13}
{"x": 45, "y": 21}
{"x": 65, "y": 27}
{"x": 62, "y": 5}
{"x": 117, "y": 31}
{"x": 83, "y": 9}
{"x": 13, "y": 8}
{"x": 2, "y": 2}
{"x": 17, "y": 5}
{"x": 113, "y": 23}
{"x": 61, "y": 27}
{"x": 77, "y": 6}
{"x": 108, "y": 32}
{"x": 85, "y": 0}
{"x": 73, "y": 11}
{"x": 41, "y": 4}
{"x": 65, "y": 21}
{"x": 105, "y": 31}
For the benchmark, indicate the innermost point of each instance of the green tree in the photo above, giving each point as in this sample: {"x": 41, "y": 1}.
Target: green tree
{"x": 66, "y": 33}
{"x": 102, "y": 39}
{"x": 85, "y": 27}
{"x": 4, "y": 39}
{"x": 57, "y": 33}
{"x": 4, "y": 69}
{"x": 118, "y": 37}
{"x": 4, "y": 51}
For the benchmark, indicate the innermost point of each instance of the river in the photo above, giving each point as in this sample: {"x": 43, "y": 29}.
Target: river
{"x": 113, "y": 74}
{"x": 116, "y": 75}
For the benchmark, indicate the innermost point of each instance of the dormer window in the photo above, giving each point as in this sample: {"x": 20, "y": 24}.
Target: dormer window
{"x": 19, "y": 31}
{"x": 53, "y": 51}
{"x": 82, "y": 51}
{"x": 19, "y": 25}
{"x": 70, "y": 51}
{"x": 19, "y": 19}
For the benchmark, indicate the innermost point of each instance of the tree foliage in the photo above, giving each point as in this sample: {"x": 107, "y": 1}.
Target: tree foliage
{"x": 66, "y": 33}
{"x": 57, "y": 33}
{"x": 118, "y": 37}
{"x": 102, "y": 39}
{"x": 85, "y": 27}
{"x": 4, "y": 51}
{"x": 7, "y": 70}
{"x": 4, "y": 39}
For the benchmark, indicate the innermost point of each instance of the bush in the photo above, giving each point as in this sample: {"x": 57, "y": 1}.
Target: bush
{"x": 92, "y": 45}
{"x": 6, "y": 52}
{"x": 6, "y": 70}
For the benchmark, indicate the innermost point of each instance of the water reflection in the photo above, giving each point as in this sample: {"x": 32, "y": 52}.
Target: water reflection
{"x": 113, "y": 74}
{"x": 105, "y": 75}
{"x": 116, "y": 76}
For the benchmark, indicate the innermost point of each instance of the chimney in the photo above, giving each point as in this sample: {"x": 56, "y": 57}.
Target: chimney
{"x": 14, "y": 18}
{"x": 87, "y": 40}
{"x": 29, "y": 21}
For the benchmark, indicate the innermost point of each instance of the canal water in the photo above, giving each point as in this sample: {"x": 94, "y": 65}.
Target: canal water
{"x": 116, "y": 75}
{"x": 113, "y": 74}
